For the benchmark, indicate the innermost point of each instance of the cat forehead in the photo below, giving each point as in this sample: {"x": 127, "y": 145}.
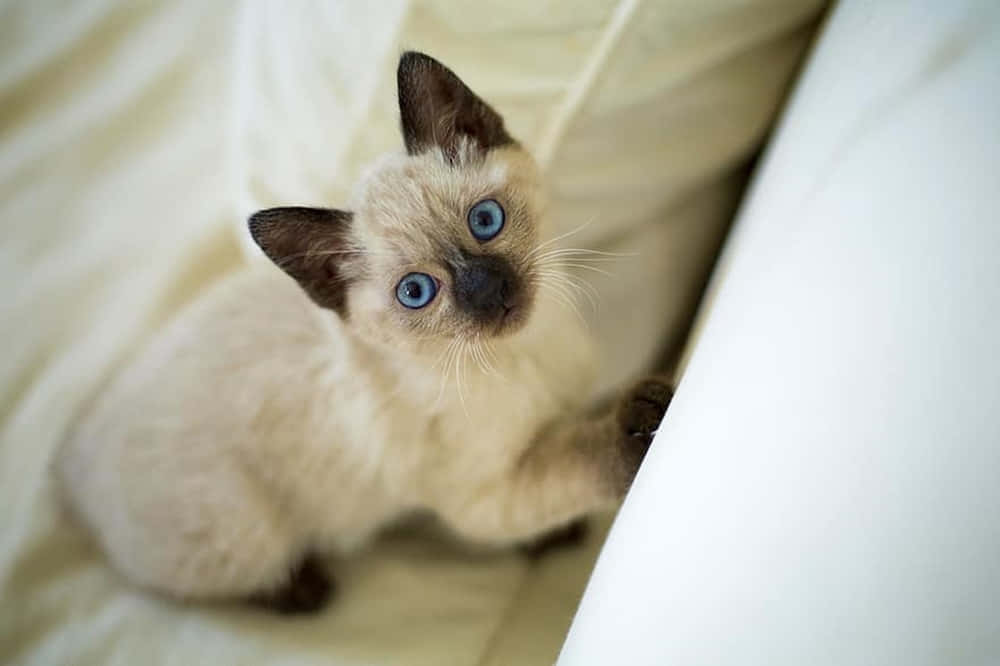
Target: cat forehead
{"x": 417, "y": 205}
{"x": 406, "y": 184}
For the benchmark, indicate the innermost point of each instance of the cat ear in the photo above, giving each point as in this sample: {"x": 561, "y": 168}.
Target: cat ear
{"x": 311, "y": 245}
{"x": 437, "y": 109}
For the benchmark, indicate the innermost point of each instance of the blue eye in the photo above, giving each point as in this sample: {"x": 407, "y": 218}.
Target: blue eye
{"x": 416, "y": 290}
{"x": 486, "y": 219}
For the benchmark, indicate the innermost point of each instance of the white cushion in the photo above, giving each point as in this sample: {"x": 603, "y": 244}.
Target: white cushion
{"x": 824, "y": 487}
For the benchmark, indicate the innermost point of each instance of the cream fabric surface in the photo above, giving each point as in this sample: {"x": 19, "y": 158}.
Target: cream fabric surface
{"x": 134, "y": 139}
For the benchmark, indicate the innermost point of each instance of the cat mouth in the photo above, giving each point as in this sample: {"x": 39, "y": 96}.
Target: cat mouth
{"x": 510, "y": 320}
{"x": 504, "y": 318}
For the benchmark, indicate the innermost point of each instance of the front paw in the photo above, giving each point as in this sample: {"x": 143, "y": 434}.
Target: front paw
{"x": 638, "y": 416}
{"x": 307, "y": 590}
{"x": 567, "y": 536}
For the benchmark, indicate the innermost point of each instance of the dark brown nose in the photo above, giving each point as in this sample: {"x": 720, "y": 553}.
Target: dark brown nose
{"x": 485, "y": 286}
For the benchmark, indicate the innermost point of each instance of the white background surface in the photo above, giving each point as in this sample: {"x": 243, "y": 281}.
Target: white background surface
{"x": 825, "y": 488}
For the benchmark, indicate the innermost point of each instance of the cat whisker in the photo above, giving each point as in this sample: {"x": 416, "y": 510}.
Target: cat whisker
{"x": 284, "y": 260}
{"x": 558, "y": 272}
{"x": 573, "y": 264}
{"x": 491, "y": 350}
{"x": 592, "y": 254}
{"x": 590, "y": 261}
{"x": 477, "y": 355}
{"x": 558, "y": 238}
{"x": 602, "y": 253}
{"x": 447, "y": 356}
{"x": 324, "y": 253}
{"x": 484, "y": 362}
{"x": 568, "y": 303}
{"x": 574, "y": 284}
{"x": 490, "y": 354}
{"x": 588, "y": 290}
{"x": 463, "y": 347}
{"x": 559, "y": 290}
{"x": 582, "y": 259}
{"x": 440, "y": 357}
{"x": 486, "y": 356}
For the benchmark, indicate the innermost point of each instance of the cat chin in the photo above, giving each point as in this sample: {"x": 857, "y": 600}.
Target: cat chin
{"x": 510, "y": 322}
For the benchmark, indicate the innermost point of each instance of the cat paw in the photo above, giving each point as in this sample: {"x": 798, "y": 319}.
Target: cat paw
{"x": 638, "y": 416}
{"x": 308, "y": 590}
{"x": 570, "y": 535}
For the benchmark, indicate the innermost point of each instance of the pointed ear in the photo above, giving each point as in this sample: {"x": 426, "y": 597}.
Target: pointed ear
{"x": 437, "y": 109}
{"x": 312, "y": 245}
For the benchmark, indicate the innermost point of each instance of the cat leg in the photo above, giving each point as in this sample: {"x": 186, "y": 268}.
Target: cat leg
{"x": 192, "y": 533}
{"x": 574, "y": 468}
{"x": 307, "y": 590}
{"x": 243, "y": 555}
{"x": 565, "y": 537}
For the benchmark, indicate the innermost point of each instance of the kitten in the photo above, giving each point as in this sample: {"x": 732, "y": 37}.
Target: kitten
{"x": 413, "y": 363}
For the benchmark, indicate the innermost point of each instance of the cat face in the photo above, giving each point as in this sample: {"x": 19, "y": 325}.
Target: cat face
{"x": 439, "y": 242}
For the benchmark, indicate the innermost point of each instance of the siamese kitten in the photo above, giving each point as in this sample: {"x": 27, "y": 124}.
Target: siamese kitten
{"x": 414, "y": 360}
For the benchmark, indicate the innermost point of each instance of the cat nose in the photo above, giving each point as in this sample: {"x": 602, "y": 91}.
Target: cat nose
{"x": 485, "y": 286}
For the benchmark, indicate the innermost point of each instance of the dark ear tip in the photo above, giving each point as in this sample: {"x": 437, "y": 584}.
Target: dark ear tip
{"x": 254, "y": 223}
{"x": 410, "y": 58}
{"x": 262, "y": 215}
{"x": 416, "y": 60}
{"x": 271, "y": 218}
{"x": 257, "y": 222}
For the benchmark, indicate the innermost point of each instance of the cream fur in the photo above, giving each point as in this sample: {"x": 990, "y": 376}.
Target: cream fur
{"x": 258, "y": 426}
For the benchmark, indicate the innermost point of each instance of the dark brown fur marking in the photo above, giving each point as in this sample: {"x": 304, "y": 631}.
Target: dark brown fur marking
{"x": 308, "y": 590}
{"x": 436, "y": 108}
{"x": 311, "y": 245}
{"x": 638, "y": 416}
{"x": 567, "y": 536}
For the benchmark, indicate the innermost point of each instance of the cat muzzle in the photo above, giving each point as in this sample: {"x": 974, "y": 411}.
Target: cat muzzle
{"x": 487, "y": 288}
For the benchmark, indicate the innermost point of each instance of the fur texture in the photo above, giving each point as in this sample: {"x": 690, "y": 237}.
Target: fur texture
{"x": 280, "y": 417}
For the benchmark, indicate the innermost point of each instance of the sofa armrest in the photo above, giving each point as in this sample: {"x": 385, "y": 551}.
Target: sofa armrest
{"x": 824, "y": 487}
